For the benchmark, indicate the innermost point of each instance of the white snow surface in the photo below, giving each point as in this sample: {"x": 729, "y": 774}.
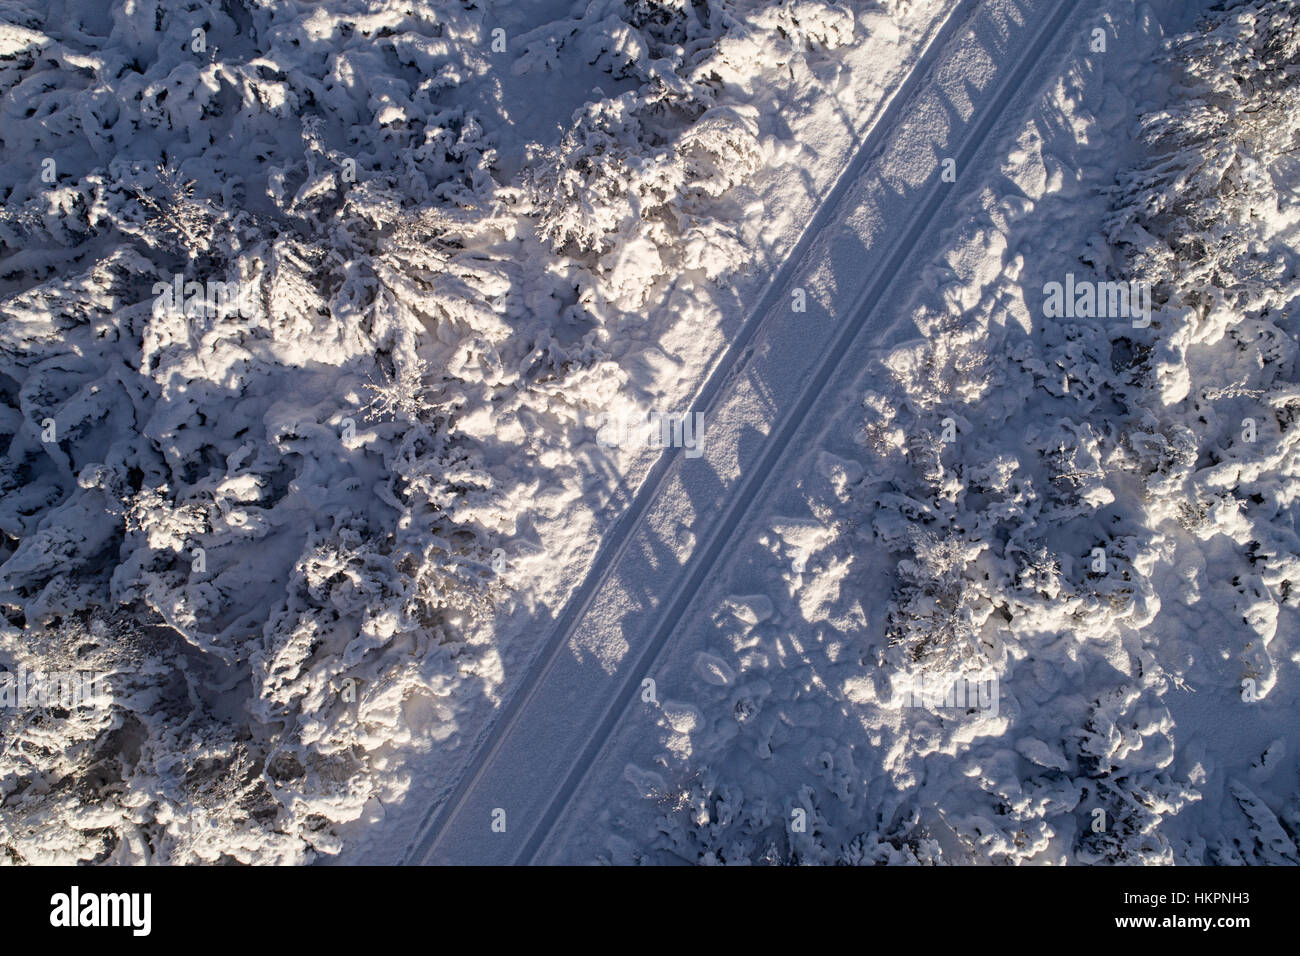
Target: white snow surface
{"x": 362, "y": 572}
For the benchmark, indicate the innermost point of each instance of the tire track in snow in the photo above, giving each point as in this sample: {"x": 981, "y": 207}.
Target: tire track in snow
{"x": 440, "y": 840}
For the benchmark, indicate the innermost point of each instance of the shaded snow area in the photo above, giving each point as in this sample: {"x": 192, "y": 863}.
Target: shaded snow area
{"x": 649, "y": 431}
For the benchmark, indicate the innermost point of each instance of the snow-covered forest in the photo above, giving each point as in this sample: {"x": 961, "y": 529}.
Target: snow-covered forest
{"x": 314, "y": 318}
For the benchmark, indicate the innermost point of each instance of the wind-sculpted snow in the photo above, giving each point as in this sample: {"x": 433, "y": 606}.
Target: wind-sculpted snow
{"x": 287, "y": 528}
